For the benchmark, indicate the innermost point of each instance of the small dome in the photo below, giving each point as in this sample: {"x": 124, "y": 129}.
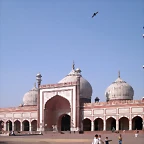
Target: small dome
{"x": 97, "y": 99}
{"x": 85, "y": 87}
{"x": 21, "y": 105}
{"x": 30, "y": 98}
{"x": 119, "y": 90}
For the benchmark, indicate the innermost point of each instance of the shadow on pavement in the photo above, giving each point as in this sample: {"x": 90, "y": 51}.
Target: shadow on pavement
{"x": 2, "y": 142}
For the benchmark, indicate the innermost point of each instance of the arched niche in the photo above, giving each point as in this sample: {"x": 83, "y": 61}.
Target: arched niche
{"x": 123, "y": 123}
{"x": 110, "y": 124}
{"x": 1, "y": 125}
{"x": 9, "y": 125}
{"x": 34, "y": 125}
{"x": 17, "y": 124}
{"x": 53, "y": 108}
{"x": 25, "y": 124}
{"x": 51, "y": 96}
{"x": 64, "y": 122}
{"x": 98, "y": 124}
{"x": 86, "y": 124}
{"x": 137, "y": 123}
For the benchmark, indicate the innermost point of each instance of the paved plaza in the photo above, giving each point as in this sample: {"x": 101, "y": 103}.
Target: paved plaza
{"x": 69, "y": 139}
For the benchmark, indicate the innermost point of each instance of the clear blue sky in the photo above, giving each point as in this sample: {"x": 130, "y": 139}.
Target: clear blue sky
{"x": 47, "y": 35}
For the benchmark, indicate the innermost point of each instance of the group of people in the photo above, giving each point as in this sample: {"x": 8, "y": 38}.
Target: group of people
{"x": 97, "y": 140}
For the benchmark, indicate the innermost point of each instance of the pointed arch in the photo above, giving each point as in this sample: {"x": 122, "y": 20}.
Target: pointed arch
{"x": 9, "y": 125}
{"x": 53, "y": 107}
{"x": 123, "y": 123}
{"x": 98, "y": 124}
{"x": 110, "y": 123}
{"x": 25, "y": 124}
{"x": 137, "y": 123}
{"x": 17, "y": 124}
{"x": 34, "y": 125}
{"x": 86, "y": 124}
{"x": 1, "y": 125}
{"x": 64, "y": 122}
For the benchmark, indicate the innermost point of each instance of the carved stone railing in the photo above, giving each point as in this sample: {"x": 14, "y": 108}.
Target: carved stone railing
{"x": 110, "y": 103}
{"x": 24, "y": 108}
{"x": 58, "y": 85}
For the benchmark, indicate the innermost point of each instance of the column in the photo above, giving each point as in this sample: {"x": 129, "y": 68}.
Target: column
{"x": 8, "y": 126}
{"x": 130, "y": 124}
{"x": 104, "y": 125}
{"x": 12, "y": 126}
{"x": 92, "y": 125}
{"x": 130, "y": 119}
{"x": 117, "y": 125}
{"x": 30, "y": 128}
{"x": 4, "y": 128}
{"x": 21, "y": 126}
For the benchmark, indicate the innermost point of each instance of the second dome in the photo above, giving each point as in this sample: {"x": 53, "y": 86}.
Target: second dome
{"x": 119, "y": 90}
{"x": 85, "y": 87}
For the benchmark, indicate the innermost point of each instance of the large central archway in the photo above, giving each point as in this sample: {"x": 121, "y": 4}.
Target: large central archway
{"x": 54, "y": 108}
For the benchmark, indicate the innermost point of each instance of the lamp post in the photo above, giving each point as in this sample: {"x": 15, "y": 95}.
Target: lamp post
{"x": 38, "y": 78}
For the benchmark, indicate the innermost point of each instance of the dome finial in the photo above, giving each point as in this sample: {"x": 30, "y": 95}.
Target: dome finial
{"x": 119, "y": 73}
{"x": 73, "y": 66}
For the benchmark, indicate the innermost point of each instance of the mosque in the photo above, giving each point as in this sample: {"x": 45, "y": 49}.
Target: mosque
{"x": 67, "y": 106}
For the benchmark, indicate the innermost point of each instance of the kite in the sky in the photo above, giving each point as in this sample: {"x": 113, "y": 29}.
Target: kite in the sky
{"x": 94, "y": 14}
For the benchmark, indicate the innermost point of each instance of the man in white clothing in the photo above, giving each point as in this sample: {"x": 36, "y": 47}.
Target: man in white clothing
{"x": 100, "y": 140}
{"x": 95, "y": 140}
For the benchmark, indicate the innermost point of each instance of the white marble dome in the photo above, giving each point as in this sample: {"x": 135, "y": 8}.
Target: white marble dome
{"x": 119, "y": 90}
{"x": 85, "y": 87}
{"x": 30, "y": 98}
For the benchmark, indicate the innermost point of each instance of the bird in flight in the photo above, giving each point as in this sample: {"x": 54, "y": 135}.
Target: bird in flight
{"x": 94, "y": 14}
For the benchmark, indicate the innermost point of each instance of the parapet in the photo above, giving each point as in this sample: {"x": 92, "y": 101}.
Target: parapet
{"x": 58, "y": 85}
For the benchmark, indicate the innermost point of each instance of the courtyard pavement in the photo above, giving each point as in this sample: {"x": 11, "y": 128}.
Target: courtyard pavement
{"x": 69, "y": 139}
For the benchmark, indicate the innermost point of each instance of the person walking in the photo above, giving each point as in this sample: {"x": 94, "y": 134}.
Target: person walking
{"x": 120, "y": 139}
{"x": 100, "y": 140}
{"x": 95, "y": 140}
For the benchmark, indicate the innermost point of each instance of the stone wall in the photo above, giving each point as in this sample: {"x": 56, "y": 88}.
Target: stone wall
{"x": 129, "y": 109}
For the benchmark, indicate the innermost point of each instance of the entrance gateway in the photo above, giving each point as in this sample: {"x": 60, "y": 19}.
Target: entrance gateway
{"x": 58, "y": 107}
{"x": 65, "y": 123}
